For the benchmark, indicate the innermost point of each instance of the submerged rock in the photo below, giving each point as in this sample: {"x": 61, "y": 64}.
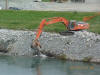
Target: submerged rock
{"x": 76, "y": 47}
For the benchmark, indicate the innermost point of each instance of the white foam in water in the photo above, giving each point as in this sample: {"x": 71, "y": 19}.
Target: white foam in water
{"x": 43, "y": 56}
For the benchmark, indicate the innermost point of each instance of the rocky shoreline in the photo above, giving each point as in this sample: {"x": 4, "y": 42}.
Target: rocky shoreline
{"x": 82, "y": 46}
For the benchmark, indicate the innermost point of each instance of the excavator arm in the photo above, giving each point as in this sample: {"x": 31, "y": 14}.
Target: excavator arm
{"x": 87, "y": 18}
{"x": 47, "y": 22}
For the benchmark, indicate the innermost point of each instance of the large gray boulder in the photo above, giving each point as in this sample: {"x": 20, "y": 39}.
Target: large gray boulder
{"x": 16, "y": 42}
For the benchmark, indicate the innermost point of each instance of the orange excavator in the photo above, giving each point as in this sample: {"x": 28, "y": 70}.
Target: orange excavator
{"x": 70, "y": 26}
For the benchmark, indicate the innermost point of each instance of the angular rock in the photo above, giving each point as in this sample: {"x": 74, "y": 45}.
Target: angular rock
{"x": 78, "y": 46}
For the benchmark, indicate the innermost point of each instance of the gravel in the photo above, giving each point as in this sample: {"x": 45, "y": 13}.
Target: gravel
{"x": 76, "y": 47}
{"x": 53, "y": 6}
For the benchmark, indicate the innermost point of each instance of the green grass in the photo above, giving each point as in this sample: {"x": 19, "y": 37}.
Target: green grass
{"x": 30, "y": 20}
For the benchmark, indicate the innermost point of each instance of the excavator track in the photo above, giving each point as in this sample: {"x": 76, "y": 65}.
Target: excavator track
{"x": 66, "y": 33}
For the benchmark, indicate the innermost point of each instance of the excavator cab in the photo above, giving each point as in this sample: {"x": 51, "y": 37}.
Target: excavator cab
{"x": 71, "y": 25}
{"x": 77, "y": 25}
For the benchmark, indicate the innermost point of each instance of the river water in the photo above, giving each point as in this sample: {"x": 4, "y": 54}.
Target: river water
{"x": 39, "y": 66}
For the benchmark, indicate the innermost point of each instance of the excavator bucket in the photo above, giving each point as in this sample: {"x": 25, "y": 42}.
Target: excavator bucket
{"x": 35, "y": 43}
{"x": 36, "y": 46}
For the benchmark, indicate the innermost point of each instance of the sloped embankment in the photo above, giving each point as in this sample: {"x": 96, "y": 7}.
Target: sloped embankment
{"x": 82, "y": 45}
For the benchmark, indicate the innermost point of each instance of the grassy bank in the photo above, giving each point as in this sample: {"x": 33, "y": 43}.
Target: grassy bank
{"x": 30, "y": 20}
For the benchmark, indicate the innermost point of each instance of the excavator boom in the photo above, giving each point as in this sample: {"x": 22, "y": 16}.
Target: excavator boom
{"x": 51, "y": 21}
{"x": 47, "y": 22}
